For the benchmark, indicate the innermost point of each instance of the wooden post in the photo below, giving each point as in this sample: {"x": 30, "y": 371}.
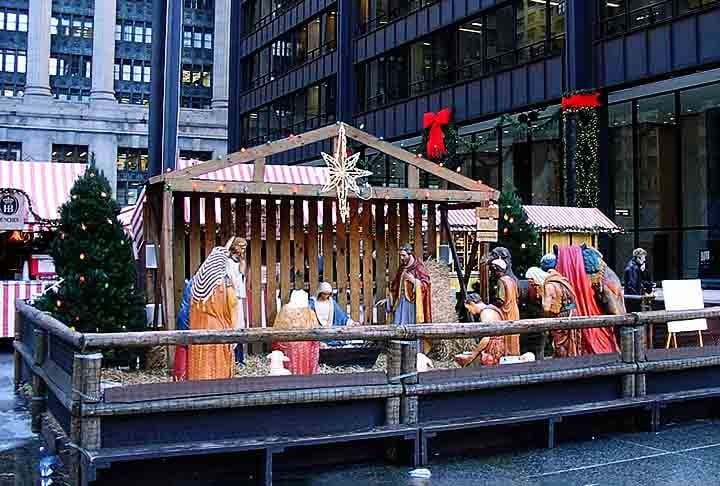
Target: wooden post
{"x": 393, "y": 369}
{"x": 380, "y": 256}
{"x": 354, "y": 274}
{"x": 392, "y": 240}
{"x": 640, "y": 356}
{"x": 408, "y": 369}
{"x": 285, "y": 250}
{"x": 627, "y": 353}
{"x": 418, "y": 231}
{"x": 210, "y": 223}
{"x": 341, "y": 260}
{"x": 255, "y": 272}
{"x": 445, "y": 228}
{"x": 85, "y": 431}
{"x": 328, "y": 242}
{"x": 178, "y": 250}
{"x": 368, "y": 274}
{"x": 432, "y": 232}
{"x": 271, "y": 258}
{"x": 259, "y": 170}
{"x": 195, "y": 234}
{"x": 167, "y": 268}
{"x": 312, "y": 246}
{"x": 241, "y": 217}
{"x": 39, "y": 388}
{"x": 404, "y": 220}
{"x": 226, "y": 220}
{"x": 299, "y": 240}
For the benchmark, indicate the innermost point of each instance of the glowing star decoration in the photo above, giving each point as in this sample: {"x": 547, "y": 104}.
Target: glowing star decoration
{"x": 343, "y": 173}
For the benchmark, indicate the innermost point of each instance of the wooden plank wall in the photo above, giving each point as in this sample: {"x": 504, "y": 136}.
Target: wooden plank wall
{"x": 284, "y": 233}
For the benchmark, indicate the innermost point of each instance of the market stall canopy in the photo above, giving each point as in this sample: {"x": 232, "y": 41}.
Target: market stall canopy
{"x": 561, "y": 219}
{"x": 46, "y": 184}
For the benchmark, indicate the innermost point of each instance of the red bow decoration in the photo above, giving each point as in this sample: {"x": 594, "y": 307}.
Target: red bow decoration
{"x": 578, "y": 101}
{"x": 436, "y": 139}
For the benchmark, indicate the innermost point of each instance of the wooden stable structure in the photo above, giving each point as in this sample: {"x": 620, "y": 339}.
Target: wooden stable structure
{"x": 269, "y": 423}
{"x": 359, "y": 255}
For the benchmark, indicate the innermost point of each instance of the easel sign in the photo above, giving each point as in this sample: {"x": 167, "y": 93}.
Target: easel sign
{"x": 684, "y": 295}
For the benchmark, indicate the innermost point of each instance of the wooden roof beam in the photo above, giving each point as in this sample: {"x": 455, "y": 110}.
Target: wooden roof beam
{"x": 419, "y": 162}
{"x": 264, "y": 189}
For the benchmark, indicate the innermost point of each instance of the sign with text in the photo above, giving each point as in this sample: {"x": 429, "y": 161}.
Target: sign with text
{"x": 13, "y": 210}
{"x": 684, "y": 295}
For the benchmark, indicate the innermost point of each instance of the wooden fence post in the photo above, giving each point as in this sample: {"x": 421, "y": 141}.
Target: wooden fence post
{"x": 627, "y": 353}
{"x": 393, "y": 368}
{"x": 408, "y": 368}
{"x": 17, "y": 357}
{"x": 85, "y": 431}
{"x": 640, "y": 356}
{"x": 39, "y": 389}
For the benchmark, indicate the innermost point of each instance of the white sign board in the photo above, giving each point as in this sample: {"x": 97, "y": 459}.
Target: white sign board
{"x": 684, "y": 295}
{"x": 12, "y": 211}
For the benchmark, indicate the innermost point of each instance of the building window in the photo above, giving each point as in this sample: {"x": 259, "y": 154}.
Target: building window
{"x": 13, "y": 19}
{"x": 134, "y": 31}
{"x": 74, "y": 65}
{"x": 376, "y": 13}
{"x": 10, "y": 151}
{"x": 200, "y": 4}
{"x": 504, "y": 37}
{"x": 132, "y": 97}
{"x": 69, "y": 25}
{"x": 258, "y": 13}
{"x": 132, "y": 172}
{"x": 197, "y": 37}
{"x": 70, "y": 153}
{"x": 201, "y": 155}
{"x": 304, "y": 110}
{"x": 13, "y": 61}
{"x": 620, "y": 16}
{"x": 307, "y": 42}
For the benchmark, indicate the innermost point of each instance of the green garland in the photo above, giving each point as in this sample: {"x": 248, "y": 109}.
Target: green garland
{"x": 586, "y": 150}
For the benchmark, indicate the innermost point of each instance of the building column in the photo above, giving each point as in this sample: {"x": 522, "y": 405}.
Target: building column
{"x": 36, "y": 146}
{"x": 221, "y": 54}
{"x": 103, "y": 62}
{"x": 38, "y": 65}
{"x": 104, "y": 149}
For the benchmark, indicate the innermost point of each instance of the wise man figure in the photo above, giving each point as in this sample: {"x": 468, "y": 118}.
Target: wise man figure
{"x": 507, "y": 301}
{"x": 635, "y": 278}
{"x": 237, "y": 269}
{"x": 558, "y": 300}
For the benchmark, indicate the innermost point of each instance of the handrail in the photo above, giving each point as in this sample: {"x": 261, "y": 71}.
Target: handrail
{"x": 84, "y": 341}
{"x": 50, "y": 324}
{"x": 384, "y": 333}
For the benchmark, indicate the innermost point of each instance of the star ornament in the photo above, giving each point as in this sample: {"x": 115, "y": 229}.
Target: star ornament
{"x": 343, "y": 174}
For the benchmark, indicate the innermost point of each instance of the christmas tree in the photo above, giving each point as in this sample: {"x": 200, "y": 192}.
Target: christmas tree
{"x": 93, "y": 256}
{"x": 517, "y": 234}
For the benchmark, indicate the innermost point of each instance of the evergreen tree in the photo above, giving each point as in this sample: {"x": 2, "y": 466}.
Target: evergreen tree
{"x": 517, "y": 234}
{"x": 93, "y": 255}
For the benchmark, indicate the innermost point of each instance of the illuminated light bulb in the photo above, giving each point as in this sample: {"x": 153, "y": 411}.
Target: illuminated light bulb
{"x": 58, "y": 303}
{"x": 82, "y": 279}
{"x": 522, "y": 246}
{"x": 103, "y": 194}
{"x": 83, "y": 226}
{"x": 512, "y": 220}
{"x": 82, "y": 256}
{"x": 506, "y": 217}
{"x": 242, "y": 149}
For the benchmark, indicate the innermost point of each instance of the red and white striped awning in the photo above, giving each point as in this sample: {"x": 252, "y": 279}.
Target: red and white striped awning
{"x": 47, "y": 184}
{"x": 562, "y": 219}
{"x": 9, "y": 293}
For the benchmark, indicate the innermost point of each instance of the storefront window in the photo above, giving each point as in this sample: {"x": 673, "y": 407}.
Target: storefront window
{"x": 620, "y": 155}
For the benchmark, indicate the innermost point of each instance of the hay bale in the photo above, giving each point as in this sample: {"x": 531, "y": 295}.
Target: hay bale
{"x": 444, "y": 302}
{"x": 156, "y": 358}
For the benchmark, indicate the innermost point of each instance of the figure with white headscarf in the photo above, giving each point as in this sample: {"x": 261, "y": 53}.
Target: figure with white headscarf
{"x": 237, "y": 270}
{"x": 506, "y": 300}
{"x": 328, "y": 311}
{"x": 558, "y": 300}
{"x": 212, "y": 307}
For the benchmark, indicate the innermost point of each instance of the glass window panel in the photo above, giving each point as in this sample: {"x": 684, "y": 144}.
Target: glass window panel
{"x": 500, "y": 40}
{"x": 663, "y": 253}
{"x": 471, "y": 48}
{"x": 531, "y": 29}
{"x": 128, "y": 32}
{"x": 116, "y": 71}
{"x": 118, "y": 32}
{"x": 197, "y": 39}
{"x": 148, "y": 35}
{"x": 313, "y": 36}
{"x": 139, "y": 33}
{"x": 208, "y": 41}
{"x": 146, "y": 74}
{"x": 700, "y": 140}
{"x": 657, "y": 174}
{"x": 2, "y": 20}
{"x": 11, "y": 21}
{"x": 21, "y": 63}
{"x": 620, "y": 154}
{"x": 137, "y": 73}
{"x": 546, "y": 158}
{"x": 53, "y": 26}
{"x": 9, "y": 62}
{"x": 53, "y": 66}
{"x": 126, "y": 72}
{"x": 187, "y": 39}
{"x": 23, "y": 22}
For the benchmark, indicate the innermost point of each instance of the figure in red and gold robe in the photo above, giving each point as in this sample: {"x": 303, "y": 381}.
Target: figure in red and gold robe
{"x": 507, "y": 301}
{"x": 409, "y": 296}
{"x": 571, "y": 264}
{"x": 490, "y": 349}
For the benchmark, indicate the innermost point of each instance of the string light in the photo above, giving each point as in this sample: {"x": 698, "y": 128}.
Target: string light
{"x": 82, "y": 279}
{"x": 82, "y": 256}
{"x": 586, "y": 123}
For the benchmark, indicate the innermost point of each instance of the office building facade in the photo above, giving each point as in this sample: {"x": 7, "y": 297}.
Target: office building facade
{"x": 75, "y": 83}
{"x": 503, "y": 67}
